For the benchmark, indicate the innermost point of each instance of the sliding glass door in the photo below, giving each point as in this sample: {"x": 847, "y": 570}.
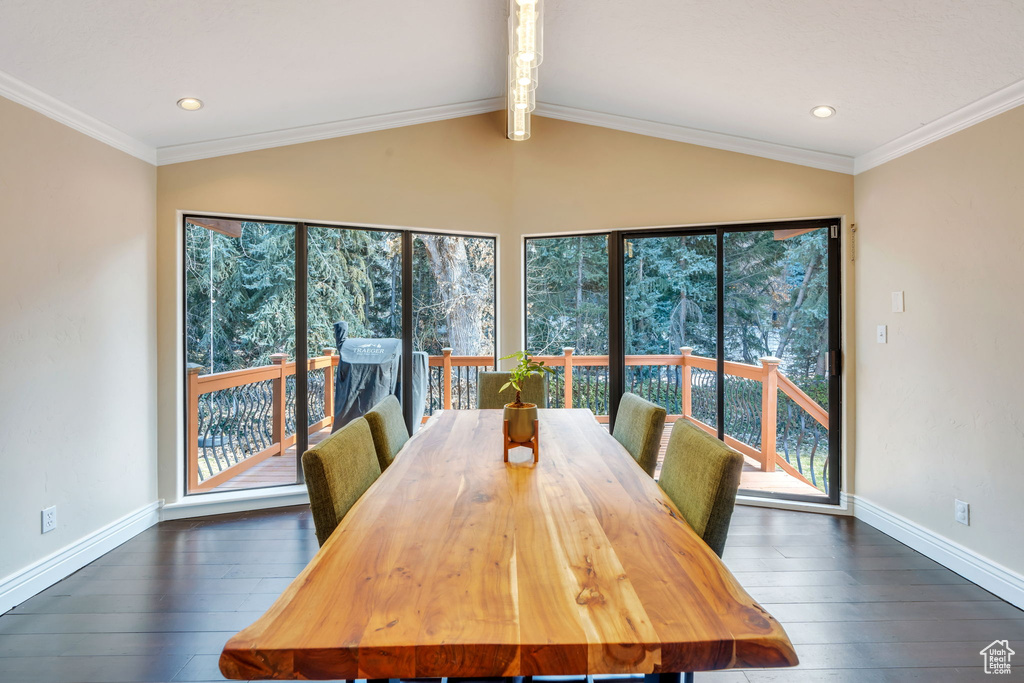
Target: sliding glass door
{"x": 777, "y": 344}
{"x": 353, "y": 323}
{"x": 240, "y": 374}
{"x": 736, "y": 329}
{"x": 670, "y": 330}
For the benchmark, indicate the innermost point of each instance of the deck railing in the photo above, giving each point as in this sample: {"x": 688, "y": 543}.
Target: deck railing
{"x": 242, "y": 417}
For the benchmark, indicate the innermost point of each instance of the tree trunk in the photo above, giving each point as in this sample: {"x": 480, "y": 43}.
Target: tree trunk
{"x": 461, "y": 302}
{"x": 787, "y": 331}
{"x": 683, "y": 303}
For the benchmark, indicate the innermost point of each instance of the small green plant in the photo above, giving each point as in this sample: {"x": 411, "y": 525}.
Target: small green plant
{"x": 527, "y": 367}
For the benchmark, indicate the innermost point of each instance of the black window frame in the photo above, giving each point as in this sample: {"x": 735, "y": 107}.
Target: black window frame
{"x": 302, "y": 317}
{"x": 616, "y": 316}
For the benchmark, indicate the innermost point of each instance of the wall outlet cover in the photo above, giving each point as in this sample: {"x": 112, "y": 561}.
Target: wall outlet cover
{"x": 963, "y": 512}
{"x": 882, "y": 335}
{"x": 49, "y": 519}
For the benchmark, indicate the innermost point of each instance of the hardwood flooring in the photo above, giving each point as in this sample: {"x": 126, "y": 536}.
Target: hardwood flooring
{"x": 857, "y": 605}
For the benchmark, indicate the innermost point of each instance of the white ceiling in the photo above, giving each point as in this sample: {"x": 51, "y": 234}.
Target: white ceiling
{"x": 746, "y": 68}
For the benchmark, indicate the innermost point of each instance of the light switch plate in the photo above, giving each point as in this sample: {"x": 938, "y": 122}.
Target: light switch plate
{"x": 883, "y": 334}
{"x": 897, "y": 302}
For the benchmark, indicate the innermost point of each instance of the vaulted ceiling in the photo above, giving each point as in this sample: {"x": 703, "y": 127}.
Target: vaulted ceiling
{"x": 749, "y": 69}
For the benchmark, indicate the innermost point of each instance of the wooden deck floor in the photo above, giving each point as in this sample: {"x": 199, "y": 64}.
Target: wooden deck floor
{"x": 752, "y": 479}
{"x": 857, "y": 605}
{"x": 280, "y": 470}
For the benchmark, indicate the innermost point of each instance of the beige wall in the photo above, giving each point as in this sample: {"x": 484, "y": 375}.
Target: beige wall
{"x": 940, "y": 408}
{"x": 462, "y": 174}
{"x": 78, "y": 349}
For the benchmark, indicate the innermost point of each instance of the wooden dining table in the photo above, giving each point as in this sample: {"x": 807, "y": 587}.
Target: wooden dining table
{"x": 455, "y": 563}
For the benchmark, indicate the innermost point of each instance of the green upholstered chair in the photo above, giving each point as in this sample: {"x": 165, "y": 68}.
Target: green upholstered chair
{"x": 338, "y": 470}
{"x": 701, "y": 475}
{"x": 638, "y": 427}
{"x": 489, "y": 383}
{"x": 387, "y": 425}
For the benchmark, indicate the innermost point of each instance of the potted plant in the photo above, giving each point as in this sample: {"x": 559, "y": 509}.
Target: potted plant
{"x": 521, "y": 416}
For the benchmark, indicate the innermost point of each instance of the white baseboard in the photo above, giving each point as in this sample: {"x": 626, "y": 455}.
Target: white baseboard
{"x": 222, "y": 503}
{"x": 22, "y": 585}
{"x": 991, "y": 576}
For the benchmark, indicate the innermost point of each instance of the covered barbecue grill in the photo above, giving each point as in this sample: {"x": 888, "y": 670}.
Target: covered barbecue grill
{"x": 369, "y": 370}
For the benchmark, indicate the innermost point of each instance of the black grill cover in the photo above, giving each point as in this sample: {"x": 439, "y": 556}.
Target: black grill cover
{"x": 369, "y": 370}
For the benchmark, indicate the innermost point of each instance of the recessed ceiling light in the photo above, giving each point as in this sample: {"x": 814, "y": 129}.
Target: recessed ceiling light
{"x": 190, "y": 103}
{"x": 823, "y": 111}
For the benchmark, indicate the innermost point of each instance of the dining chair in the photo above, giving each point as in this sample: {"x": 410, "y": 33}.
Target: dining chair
{"x": 489, "y": 394}
{"x": 701, "y": 475}
{"x": 638, "y": 427}
{"x": 387, "y": 426}
{"x": 338, "y": 470}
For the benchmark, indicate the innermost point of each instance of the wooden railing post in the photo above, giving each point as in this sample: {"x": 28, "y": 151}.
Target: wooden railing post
{"x": 686, "y": 380}
{"x": 769, "y": 411}
{"x": 447, "y": 378}
{"x": 568, "y": 350}
{"x": 329, "y": 386}
{"x": 192, "y": 372}
{"x": 280, "y": 414}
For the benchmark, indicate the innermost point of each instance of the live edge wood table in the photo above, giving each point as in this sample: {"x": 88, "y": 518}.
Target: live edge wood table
{"x": 455, "y": 563}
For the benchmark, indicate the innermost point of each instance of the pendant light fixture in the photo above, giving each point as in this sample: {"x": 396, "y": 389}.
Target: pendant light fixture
{"x": 525, "y": 48}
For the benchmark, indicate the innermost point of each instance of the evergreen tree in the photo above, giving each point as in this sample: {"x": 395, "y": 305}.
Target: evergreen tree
{"x": 567, "y": 295}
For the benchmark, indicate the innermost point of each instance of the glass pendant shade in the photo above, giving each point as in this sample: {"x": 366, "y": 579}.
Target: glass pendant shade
{"x": 520, "y": 75}
{"x": 518, "y": 124}
{"x": 525, "y": 52}
{"x": 527, "y": 31}
{"x": 522, "y": 97}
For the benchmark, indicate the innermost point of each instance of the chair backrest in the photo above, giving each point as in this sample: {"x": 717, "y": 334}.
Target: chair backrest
{"x": 338, "y": 470}
{"x": 387, "y": 426}
{"x": 638, "y": 427}
{"x": 701, "y": 475}
{"x": 489, "y": 395}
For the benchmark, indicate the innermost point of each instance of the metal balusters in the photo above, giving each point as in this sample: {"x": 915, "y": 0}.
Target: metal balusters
{"x": 315, "y": 395}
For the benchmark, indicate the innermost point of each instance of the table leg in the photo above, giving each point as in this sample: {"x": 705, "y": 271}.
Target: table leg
{"x": 669, "y": 678}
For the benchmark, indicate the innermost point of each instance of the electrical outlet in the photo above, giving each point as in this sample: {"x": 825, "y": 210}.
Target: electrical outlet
{"x": 882, "y": 334}
{"x": 49, "y": 519}
{"x": 897, "y": 302}
{"x": 963, "y": 512}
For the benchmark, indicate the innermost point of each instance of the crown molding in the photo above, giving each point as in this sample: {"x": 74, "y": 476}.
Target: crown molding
{"x": 731, "y": 143}
{"x": 323, "y": 131}
{"x": 991, "y": 105}
{"x": 35, "y": 99}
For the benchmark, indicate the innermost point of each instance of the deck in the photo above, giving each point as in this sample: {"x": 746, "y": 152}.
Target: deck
{"x": 280, "y": 470}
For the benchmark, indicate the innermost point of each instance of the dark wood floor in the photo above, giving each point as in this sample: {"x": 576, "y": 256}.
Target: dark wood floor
{"x": 858, "y": 605}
